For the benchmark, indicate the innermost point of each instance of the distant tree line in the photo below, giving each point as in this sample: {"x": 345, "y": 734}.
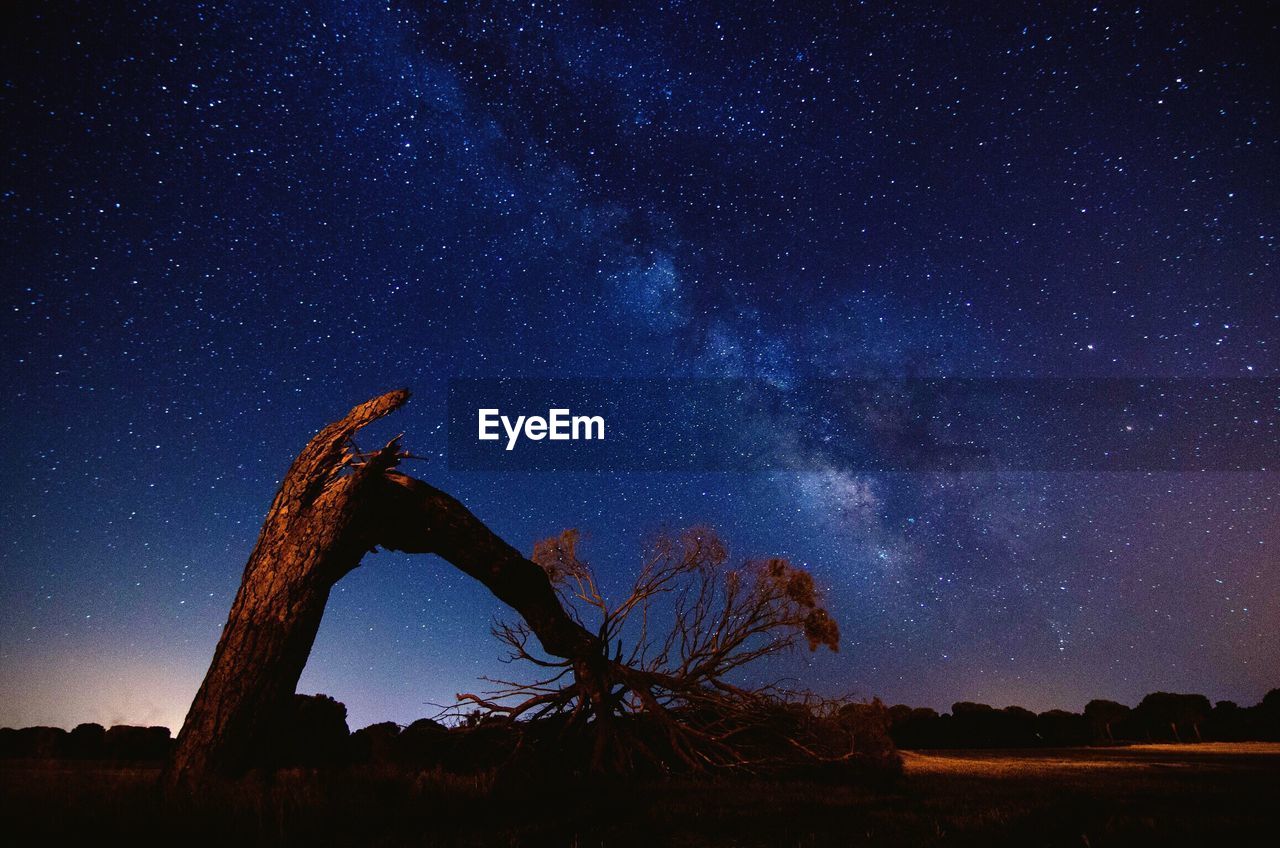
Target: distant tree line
{"x": 123, "y": 743}
{"x": 317, "y": 734}
{"x": 1159, "y": 717}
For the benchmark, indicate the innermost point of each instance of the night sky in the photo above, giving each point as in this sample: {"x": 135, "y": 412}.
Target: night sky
{"x": 223, "y": 227}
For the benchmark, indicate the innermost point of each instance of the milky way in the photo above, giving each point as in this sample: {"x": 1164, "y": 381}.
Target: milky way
{"x": 223, "y": 227}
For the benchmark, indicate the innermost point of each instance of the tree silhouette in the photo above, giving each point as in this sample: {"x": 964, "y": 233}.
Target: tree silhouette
{"x": 1174, "y": 711}
{"x": 1104, "y": 715}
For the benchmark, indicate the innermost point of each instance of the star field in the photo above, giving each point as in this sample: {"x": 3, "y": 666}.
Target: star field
{"x": 224, "y": 226}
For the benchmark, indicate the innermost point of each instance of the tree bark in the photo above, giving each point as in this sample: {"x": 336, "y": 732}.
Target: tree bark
{"x": 334, "y": 506}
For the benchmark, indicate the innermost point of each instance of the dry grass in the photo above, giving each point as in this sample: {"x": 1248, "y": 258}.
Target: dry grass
{"x": 1271, "y": 749}
{"x": 919, "y": 763}
{"x": 1031, "y": 763}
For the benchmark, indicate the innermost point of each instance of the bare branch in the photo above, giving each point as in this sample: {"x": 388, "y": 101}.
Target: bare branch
{"x": 716, "y": 620}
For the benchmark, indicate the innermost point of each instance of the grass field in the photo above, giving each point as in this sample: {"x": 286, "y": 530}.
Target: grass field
{"x": 1211, "y": 794}
{"x": 1205, "y": 758}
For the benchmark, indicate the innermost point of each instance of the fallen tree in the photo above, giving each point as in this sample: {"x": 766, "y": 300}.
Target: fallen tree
{"x": 336, "y": 504}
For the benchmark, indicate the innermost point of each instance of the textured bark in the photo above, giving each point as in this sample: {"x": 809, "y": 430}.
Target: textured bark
{"x": 331, "y": 509}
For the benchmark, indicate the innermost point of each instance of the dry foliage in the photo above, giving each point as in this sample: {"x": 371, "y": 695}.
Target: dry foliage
{"x": 665, "y": 694}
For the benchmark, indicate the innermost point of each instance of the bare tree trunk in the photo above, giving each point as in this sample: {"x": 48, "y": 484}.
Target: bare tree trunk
{"x": 331, "y": 509}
